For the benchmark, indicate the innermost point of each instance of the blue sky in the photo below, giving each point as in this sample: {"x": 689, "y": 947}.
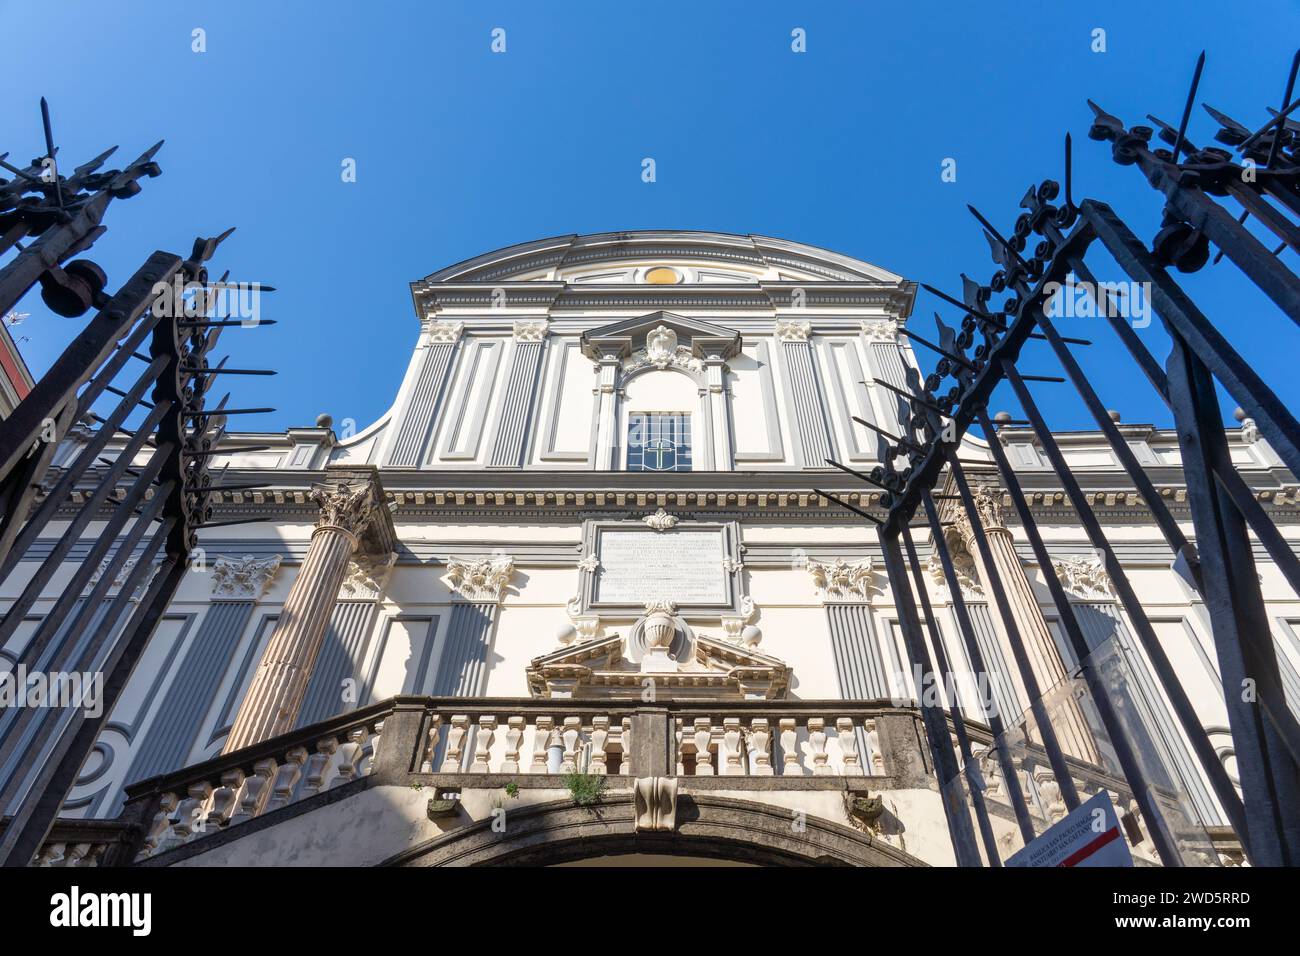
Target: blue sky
{"x": 460, "y": 150}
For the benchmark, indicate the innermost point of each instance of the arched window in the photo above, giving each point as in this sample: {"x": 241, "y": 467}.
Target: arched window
{"x": 659, "y": 441}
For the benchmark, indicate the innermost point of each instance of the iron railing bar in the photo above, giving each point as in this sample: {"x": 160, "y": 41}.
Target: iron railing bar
{"x": 1187, "y": 716}
{"x": 1264, "y": 731}
{"x": 974, "y": 785}
{"x": 1161, "y": 836}
{"x": 90, "y": 394}
{"x": 1046, "y": 731}
{"x": 936, "y": 724}
{"x": 78, "y": 361}
{"x": 14, "y": 615}
{"x": 1174, "y": 307}
{"x": 20, "y": 727}
{"x": 1010, "y": 775}
{"x": 59, "y": 493}
{"x": 31, "y": 821}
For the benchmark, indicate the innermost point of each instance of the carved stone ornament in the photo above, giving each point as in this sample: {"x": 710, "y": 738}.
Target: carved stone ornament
{"x": 367, "y": 577}
{"x": 660, "y": 520}
{"x": 680, "y": 357}
{"x": 124, "y": 572}
{"x": 738, "y": 629}
{"x": 531, "y": 331}
{"x": 880, "y": 330}
{"x": 482, "y": 580}
{"x": 988, "y": 505}
{"x": 589, "y": 563}
{"x": 348, "y": 508}
{"x": 788, "y": 330}
{"x": 843, "y": 581}
{"x": 243, "y": 579}
{"x": 1084, "y": 577}
{"x": 661, "y": 346}
{"x": 445, "y": 332}
{"x": 582, "y": 628}
{"x": 963, "y": 566}
{"x": 655, "y": 803}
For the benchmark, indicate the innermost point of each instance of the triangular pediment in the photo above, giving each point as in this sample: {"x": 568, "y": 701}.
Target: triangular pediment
{"x": 630, "y": 334}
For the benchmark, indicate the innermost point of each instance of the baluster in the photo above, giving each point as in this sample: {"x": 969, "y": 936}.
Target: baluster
{"x": 703, "y": 737}
{"x": 680, "y": 734}
{"x": 52, "y": 854}
{"x": 849, "y": 747}
{"x": 817, "y": 744}
{"x": 451, "y": 760}
{"x": 625, "y": 741}
{"x": 873, "y": 742}
{"x": 256, "y": 790}
{"x": 225, "y": 798}
{"x": 760, "y": 743}
{"x": 431, "y": 744}
{"x": 350, "y": 755}
{"x": 599, "y": 737}
{"x": 730, "y": 759}
{"x": 160, "y": 827}
{"x": 318, "y": 766}
{"x": 372, "y": 749}
{"x": 286, "y": 779}
{"x": 514, "y": 736}
{"x": 74, "y": 854}
{"x": 541, "y": 742}
{"x": 487, "y": 727}
{"x": 572, "y": 734}
{"x": 189, "y": 815}
{"x": 790, "y": 749}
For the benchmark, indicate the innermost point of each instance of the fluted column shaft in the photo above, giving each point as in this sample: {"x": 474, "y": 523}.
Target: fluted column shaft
{"x": 1040, "y": 647}
{"x": 275, "y": 696}
{"x": 350, "y": 511}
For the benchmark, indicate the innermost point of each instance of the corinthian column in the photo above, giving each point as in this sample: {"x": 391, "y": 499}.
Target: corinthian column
{"x": 1040, "y": 647}
{"x": 354, "y": 518}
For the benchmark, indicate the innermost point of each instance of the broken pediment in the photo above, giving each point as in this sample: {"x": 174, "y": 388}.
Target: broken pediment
{"x": 714, "y": 669}
{"x": 661, "y": 336}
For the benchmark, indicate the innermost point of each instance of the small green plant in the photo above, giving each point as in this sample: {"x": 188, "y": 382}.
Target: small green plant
{"x": 585, "y": 788}
{"x": 512, "y": 789}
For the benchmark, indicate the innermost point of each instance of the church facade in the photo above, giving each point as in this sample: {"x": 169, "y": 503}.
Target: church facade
{"x": 584, "y": 543}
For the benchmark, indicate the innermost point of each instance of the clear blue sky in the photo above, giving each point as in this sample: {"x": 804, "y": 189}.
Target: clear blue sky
{"x": 460, "y": 150}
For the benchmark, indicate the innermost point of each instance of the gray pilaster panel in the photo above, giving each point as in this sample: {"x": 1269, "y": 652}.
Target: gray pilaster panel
{"x": 346, "y": 638}
{"x": 1003, "y": 688}
{"x": 858, "y": 666}
{"x": 517, "y": 406}
{"x": 417, "y": 421}
{"x": 462, "y": 665}
{"x": 887, "y": 365}
{"x": 1156, "y": 736}
{"x": 175, "y": 728}
{"x": 810, "y": 409}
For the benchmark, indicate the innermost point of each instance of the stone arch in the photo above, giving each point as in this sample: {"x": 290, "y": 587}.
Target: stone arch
{"x": 709, "y": 826}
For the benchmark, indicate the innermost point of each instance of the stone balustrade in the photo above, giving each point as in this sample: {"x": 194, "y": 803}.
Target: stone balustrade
{"x": 453, "y": 742}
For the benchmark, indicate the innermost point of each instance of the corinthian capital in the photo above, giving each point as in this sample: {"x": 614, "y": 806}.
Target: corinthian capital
{"x": 793, "y": 330}
{"x": 988, "y": 505}
{"x": 352, "y": 500}
{"x": 482, "y": 580}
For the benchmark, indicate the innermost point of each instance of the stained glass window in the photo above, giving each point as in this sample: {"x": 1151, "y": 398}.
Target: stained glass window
{"x": 658, "y": 441}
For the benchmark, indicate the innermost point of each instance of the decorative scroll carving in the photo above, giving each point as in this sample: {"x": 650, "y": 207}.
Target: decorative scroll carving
{"x": 843, "y": 581}
{"x": 788, "y": 330}
{"x": 367, "y": 576}
{"x": 243, "y": 579}
{"x": 656, "y": 803}
{"x": 738, "y": 629}
{"x": 681, "y": 358}
{"x": 482, "y": 580}
{"x": 589, "y": 563}
{"x": 1084, "y": 577}
{"x": 962, "y": 564}
{"x": 880, "y": 330}
{"x": 534, "y": 331}
{"x": 444, "y": 331}
{"x": 660, "y": 520}
{"x": 348, "y": 508}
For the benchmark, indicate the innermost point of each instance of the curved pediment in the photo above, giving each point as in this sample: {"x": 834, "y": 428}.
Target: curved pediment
{"x": 655, "y": 257}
